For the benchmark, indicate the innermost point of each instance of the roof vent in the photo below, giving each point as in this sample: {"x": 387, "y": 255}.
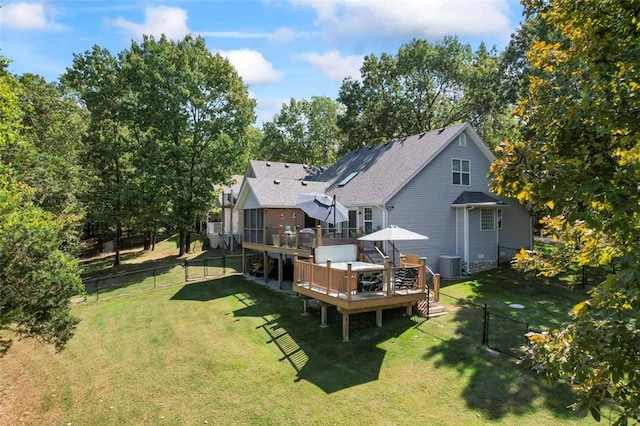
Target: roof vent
{"x": 286, "y": 165}
{"x": 276, "y": 182}
{"x": 268, "y": 164}
{"x": 303, "y": 183}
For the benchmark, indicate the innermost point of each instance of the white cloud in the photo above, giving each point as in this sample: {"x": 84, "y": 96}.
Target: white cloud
{"x": 410, "y": 18}
{"x": 24, "y": 16}
{"x": 252, "y": 66}
{"x": 233, "y": 34}
{"x": 267, "y": 107}
{"x": 333, "y": 65}
{"x": 170, "y": 21}
{"x": 288, "y": 35}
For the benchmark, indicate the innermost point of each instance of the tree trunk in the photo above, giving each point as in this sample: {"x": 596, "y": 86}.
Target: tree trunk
{"x": 181, "y": 240}
{"x": 153, "y": 241}
{"x": 116, "y": 262}
{"x": 147, "y": 240}
{"x": 188, "y": 242}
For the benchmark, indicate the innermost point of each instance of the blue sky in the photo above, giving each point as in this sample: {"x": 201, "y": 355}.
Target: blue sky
{"x": 281, "y": 48}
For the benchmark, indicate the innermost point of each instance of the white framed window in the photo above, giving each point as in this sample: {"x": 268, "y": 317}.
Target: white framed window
{"x": 368, "y": 220}
{"x": 499, "y": 211}
{"x": 487, "y": 221}
{"x": 462, "y": 139}
{"x": 461, "y": 172}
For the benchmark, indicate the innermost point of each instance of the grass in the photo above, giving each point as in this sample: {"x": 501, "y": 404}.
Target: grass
{"x": 228, "y": 351}
{"x": 144, "y": 270}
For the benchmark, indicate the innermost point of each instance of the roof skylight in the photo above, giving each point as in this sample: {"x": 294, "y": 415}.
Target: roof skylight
{"x": 346, "y": 180}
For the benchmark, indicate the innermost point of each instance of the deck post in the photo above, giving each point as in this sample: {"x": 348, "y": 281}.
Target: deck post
{"x": 409, "y": 310}
{"x": 280, "y": 242}
{"x": 280, "y": 270}
{"x": 297, "y": 237}
{"x": 345, "y": 327}
{"x": 305, "y": 305}
{"x": 436, "y": 287}
{"x": 265, "y": 264}
{"x": 311, "y": 271}
{"x": 379, "y": 317}
{"x": 318, "y": 236}
{"x": 323, "y": 315}
{"x": 387, "y": 267}
{"x": 422, "y": 277}
{"x": 296, "y": 272}
{"x": 348, "y": 283}
{"x": 328, "y": 277}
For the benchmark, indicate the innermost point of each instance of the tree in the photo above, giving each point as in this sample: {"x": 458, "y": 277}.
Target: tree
{"x": 96, "y": 77}
{"x": 197, "y": 110}
{"x": 423, "y": 87}
{"x": 303, "y": 132}
{"x": 53, "y": 125}
{"x": 581, "y": 160}
{"x": 37, "y": 277}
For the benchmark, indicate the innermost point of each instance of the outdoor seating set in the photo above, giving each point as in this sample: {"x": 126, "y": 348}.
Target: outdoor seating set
{"x": 403, "y": 278}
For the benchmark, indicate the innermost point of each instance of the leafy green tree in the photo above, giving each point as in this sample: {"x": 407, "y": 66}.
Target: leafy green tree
{"x": 423, "y": 87}
{"x": 581, "y": 160}
{"x": 37, "y": 277}
{"x": 96, "y": 76}
{"x": 197, "y": 109}
{"x": 53, "y": 126}
{"x": 303, "y": 132}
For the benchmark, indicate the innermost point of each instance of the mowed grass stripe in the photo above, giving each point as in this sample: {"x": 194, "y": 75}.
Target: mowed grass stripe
{"x": 229, "y": 351}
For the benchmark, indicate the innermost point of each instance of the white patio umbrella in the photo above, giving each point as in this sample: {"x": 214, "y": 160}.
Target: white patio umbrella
{"x": 393, "y": 233}
{"x": 322, "y": 207}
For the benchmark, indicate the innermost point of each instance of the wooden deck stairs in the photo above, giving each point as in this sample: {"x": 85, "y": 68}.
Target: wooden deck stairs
{"x": 430, "y": 308}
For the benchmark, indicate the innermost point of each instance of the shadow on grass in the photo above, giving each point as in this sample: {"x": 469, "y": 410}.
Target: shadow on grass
{"x": 317, "y": 355}
{"x": 498, "y": 386}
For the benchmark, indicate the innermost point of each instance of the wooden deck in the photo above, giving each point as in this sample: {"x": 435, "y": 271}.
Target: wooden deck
{"x": 360, "y": 288}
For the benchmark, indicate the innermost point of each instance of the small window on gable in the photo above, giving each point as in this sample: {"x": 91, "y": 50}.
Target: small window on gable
{"x": 461, "y": 171}
{"x": 486, "y": 220}
{"x": 462, "y": 139}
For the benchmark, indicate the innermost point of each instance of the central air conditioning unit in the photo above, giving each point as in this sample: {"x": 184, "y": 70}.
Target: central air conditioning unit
{"x": 450, "y": 267}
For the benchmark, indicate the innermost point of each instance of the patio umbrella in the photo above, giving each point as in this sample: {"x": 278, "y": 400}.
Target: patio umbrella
{"x": 322, "y": 207}
{"x": 393, "y": 233}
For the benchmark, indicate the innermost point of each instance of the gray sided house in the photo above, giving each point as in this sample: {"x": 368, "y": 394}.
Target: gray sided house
{"x": 434, "y": 183}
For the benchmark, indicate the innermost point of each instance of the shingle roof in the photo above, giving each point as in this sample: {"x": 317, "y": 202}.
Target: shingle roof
{"x": 384, "y": 169}
{"x": 272, "y": 193}
{"x": 277, "y": 170}
{"x": 234, "y": 187}
{"x": 475, "y": 197}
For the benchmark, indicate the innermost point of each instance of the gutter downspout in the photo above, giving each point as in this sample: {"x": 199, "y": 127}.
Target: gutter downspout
{"x": 466, "y": 236}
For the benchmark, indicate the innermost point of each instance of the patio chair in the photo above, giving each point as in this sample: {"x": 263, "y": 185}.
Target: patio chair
{"x": 369, "y": 282}
{"x": 405, "y": 278}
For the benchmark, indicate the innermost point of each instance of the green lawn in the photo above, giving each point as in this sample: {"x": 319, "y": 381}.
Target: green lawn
{"x": 229, "y": 351}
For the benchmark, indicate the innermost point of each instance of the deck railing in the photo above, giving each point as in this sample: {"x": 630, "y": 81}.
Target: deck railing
{"x": 346, "y": 283}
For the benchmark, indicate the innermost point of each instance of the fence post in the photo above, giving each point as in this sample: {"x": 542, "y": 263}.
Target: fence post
{"x": 224, "y": 265}
{"x": 485, "y": 327}
{"x": 206, "y": 266}
{"x": 186, "y": 270}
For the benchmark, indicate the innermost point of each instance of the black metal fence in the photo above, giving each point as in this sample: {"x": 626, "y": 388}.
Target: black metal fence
{"x": 198, "y": 269}
{"x": 478, "y": 322}
{"x": 161, "y": 276}
{"x": 128, "y": 282}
